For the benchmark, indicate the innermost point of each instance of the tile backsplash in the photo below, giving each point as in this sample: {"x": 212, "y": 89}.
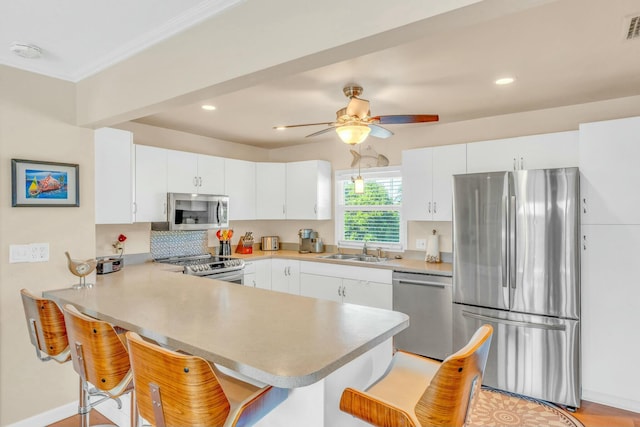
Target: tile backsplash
{"x": 166, "y": 244}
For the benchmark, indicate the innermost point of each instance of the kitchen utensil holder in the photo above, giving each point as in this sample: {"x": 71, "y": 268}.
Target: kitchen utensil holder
{"x": 225, "y": 248}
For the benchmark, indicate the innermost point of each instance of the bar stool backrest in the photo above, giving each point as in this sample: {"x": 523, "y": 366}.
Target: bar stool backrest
{"x": 99, "y": 355}
{"x": 449, "y": 398}
{"x": 174, "y": 389}
{"x": 46, "y": 326}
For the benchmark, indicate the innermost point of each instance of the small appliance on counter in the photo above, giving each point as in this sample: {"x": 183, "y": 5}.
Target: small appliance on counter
{"x": 245, "y": 244}
{"x": 270, "y": 243}
{"x": 309, "y": 241}
{"x": 109, "y": 265}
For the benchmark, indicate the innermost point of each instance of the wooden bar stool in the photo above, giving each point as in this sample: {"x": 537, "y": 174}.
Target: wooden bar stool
{"x": 174, "y": 389}
{"x": 100, "y": 357}
{"x": 417, "y": 391}
{"x": 48, "y": 334}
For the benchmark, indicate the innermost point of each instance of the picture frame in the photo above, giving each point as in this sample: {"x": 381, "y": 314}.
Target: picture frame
{"x": 44, "y": 184}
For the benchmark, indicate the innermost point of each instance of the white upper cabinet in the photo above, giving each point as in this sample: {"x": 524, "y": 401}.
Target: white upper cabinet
{"x": 240, "y": 186}
{"x": 194, "y": 173}
{"x": 151, "y": 184}
{"x": 609, "y": 153}
{"x": 271, "y": 190}
{"x": 308, "y": 190}
{"x": 427, "y": 181}
{"x": 544, "y": 151}
{"x": 113, "y": 176}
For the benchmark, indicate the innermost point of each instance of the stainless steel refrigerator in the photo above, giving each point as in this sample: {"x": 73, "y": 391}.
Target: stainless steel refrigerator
{"x": 516, "y": 266}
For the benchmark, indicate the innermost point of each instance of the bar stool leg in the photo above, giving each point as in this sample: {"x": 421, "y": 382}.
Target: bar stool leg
{"x": 84, "y": 406}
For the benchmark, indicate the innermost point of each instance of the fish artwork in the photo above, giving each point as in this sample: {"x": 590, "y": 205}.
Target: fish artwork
{"x": 379, "y": 159}
{"x": 34, "y": 190}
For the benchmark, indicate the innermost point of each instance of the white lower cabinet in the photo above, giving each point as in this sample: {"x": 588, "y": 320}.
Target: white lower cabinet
{"x": 257, "y": 274}
{"x": 285, "y": 276}
{"x": 610, "y": 315}
{"x": 341, "y": 283}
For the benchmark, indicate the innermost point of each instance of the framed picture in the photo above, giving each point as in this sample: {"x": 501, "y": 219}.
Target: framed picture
{"x": 35, "y": 183}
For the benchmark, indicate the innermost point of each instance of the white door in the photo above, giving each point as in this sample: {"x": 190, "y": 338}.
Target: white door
{"x": 271, "y": 190}
{"x": 113, "y": 176}
{"x": 151, "y": 184}
{"x": 609, "y": 153}
{"x": 240, "y": 186}
{"x": 609, "y": 312}
{"x": 211, "y": 176}
{"x": 371, "y": 294}
{"x": 548, "y": 151}
{"x": 492, "y": 156}
{"x": 182, "y": 172}
{"x": 448, "y": 160}
{"x": 322, "y": 287}
{"x": 417, "y": 184}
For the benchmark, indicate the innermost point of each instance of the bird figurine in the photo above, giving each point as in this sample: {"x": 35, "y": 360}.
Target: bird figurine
{"x": 81, "y": 269}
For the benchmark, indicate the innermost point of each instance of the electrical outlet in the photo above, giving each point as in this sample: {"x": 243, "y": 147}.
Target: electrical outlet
{"x": 421, "y": 243}
{"x": 39, "y": 252}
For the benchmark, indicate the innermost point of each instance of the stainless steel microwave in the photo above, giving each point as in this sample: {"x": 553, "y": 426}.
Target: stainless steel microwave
{"x": 195, "y": 212}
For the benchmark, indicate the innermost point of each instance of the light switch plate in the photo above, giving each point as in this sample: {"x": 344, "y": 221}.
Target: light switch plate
{"x": 39, "y": 252}
{"x": 421, "y": 243}
{"x": 19, "y": 253}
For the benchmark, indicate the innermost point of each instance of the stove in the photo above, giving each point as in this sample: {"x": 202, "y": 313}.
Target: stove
{"x": 205, "y": 265}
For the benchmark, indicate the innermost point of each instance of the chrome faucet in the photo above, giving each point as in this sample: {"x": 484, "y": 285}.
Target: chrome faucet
{"x": 379, "y": 252}
{"x": 364, "y": 248}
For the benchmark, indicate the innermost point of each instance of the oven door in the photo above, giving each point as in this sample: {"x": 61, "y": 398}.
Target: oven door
{"x": 236, "y": 276}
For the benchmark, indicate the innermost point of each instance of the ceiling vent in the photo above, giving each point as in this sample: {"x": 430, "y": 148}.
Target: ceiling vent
{"x": 633, "y": 30}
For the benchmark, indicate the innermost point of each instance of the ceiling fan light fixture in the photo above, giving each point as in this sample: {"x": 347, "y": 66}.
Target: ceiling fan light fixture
{"x": 353, "y": 134}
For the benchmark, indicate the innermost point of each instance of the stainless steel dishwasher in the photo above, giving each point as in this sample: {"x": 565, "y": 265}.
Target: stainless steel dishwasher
{"x": 426, "y": 298}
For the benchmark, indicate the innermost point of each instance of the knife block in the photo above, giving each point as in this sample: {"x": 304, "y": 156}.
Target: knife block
{"x": 244, "y": 246}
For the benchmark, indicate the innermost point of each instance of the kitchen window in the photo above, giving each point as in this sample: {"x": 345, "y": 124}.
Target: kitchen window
{"x": 375, "y": 215}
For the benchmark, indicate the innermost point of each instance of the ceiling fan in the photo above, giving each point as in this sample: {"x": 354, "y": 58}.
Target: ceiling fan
{"x": 354, "y": 122}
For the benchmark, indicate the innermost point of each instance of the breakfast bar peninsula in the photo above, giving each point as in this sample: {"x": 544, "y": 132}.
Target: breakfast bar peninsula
{"x": 312, "y": 347}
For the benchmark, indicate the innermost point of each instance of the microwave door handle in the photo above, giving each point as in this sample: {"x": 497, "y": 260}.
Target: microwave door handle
{"x": 218, "y": 214}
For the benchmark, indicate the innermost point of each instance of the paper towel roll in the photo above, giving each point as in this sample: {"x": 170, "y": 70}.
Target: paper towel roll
{"x": 433, "y": 248}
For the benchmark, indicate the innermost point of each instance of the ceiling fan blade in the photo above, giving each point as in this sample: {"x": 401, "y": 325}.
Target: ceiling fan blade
{"x": 358, "y": 107}
{"x": 407, "y": 118}
{"x": 297, "y": 126}
{"x": 379, "y": 131}
{"x": 320, "y": 132}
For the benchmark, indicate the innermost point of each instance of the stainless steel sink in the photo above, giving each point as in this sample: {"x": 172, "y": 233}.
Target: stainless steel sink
{"x": 354, "y": 257}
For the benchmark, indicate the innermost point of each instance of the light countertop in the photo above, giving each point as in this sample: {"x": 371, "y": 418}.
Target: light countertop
{"x": 411, "y": 265}
{"x": 280, "y": 339}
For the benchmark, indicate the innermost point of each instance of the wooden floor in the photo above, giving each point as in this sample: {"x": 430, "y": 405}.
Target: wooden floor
{"x": 589, "y": 414}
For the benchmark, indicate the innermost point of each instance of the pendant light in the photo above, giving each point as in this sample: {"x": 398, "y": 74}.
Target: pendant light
{"x": 358, "y": 182}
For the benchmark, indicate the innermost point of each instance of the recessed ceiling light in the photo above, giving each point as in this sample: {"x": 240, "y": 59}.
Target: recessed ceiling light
{"x": 279, "y": 127}
{"x": 505, "y": 81}
{"x": 26, "y": 50}
{"x": 208, "y": 107}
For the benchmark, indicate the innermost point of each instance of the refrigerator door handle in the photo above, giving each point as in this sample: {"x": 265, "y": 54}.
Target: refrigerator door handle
{"x": 512, "y": 241}
{"x": 505, "y": 243}
{"x": 513, "y": 322}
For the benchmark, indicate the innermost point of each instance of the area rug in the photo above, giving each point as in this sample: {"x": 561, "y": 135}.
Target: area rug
{"x": 501, "y": 408}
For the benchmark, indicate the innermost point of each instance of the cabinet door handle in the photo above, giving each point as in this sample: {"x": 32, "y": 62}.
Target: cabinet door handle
{"x": 283, "y": 211}
{"x": 254, "y": 283}
{"x": 429, "y": 208}
{"x": 514, "y": 163}
{"x": 344, "y": 291}
{"x": 195, "y": 181}
{"x": 584, "y": 242}
{"x": 339, "y": 291}
{"x": 135, "y": 208}
{"x": 434, "y": 208}
{"x": 315, "y": 209}
{"x": 521, "y": 163}
{"x": 584, "y": 205}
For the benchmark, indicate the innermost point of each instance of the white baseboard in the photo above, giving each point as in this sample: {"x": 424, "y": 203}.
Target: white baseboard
{"x": 108, "y": 408}
{"x": 610, "y": 400}
{"x": 49, "y": 417}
